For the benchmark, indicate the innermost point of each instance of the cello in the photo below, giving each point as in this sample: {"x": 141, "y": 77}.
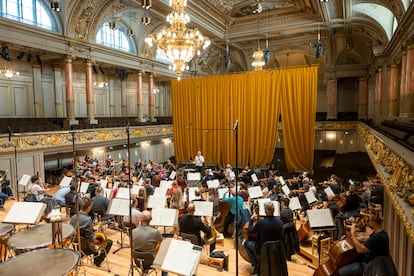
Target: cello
{"x": 341, "y": 253}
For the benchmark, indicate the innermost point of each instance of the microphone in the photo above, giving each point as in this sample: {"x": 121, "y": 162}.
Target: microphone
{"x": 127, "y": 127}
{"x": 236, "y": 124}
{"x": 10, "y": 133}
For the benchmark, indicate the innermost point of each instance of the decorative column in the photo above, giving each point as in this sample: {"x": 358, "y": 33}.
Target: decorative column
{"x": 409, "y": 92}
{"x": 392, "y": 91}
{"x": 403, "y": 83}
{"x": 139, "y": 96}
{"x": 37, "y": 91}
{"x": 378, "y": 94}
{"x": 331, "y": 87}
{"x": 90, "y": 102}
{"x": 363, "y": 98}
{"x": 151, "y": 98}
{"x": 70, "y": 95}
{"x": 59, "y": 106}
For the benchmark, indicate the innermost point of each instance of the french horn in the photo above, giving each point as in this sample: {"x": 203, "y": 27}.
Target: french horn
{"x": 100, "y": 244}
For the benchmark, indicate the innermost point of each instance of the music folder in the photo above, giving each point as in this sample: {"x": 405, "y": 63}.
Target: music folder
{"x": 255, "y": 192}
{"x": 25, "y": 180}
{"x": 25, "y": 212}
{"x": 178, "y": 256}
{"x": 164, "y": 217}
{"x": 65, "y": 181}
{"x": 119, "y": 207}
{"x": 203, "y": 208}
{"x": 320, "y": 219}
{"x": 254, "y": 178}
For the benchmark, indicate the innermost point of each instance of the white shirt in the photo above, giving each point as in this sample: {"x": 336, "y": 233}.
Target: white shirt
{"x": 35, "y": 189}
{"x": 199, "y": 160}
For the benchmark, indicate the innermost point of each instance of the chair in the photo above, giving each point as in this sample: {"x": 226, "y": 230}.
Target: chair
{"x": 273, "y": 259}
{"x": 125, "y": 228}
{"x": 87, "y": 255}
{"x": 143, "y": 261}
{"x": 190, "y": 237}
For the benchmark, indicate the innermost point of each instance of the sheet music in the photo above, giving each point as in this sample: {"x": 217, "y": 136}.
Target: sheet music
{"x": 310, "y": 197}
{"x": 119, "y": 207}
{"x": 232, "y": 175}
{"x": 203, "y": 208}
{"x": 135, "y": 189}
{"x": 294, "y": 204}
{"x": 84, "y": 187}
{"x": 282, "y": 181}
{"x": 191, "y": 193}
{"x": 25, "y": 212}
{"x": 141, "y": 182}
{"x": 320, "y": 218}
{"x": 166, "y": 183}
{"x": 329, "y": 192}
{"x": 108, "y": 192}
{"x": 285, "y": 190}
{"x": 255, "y": 191}
{"x": 254, "y": 178}
{"x": 180, "y": 258}
{"x": 123, "y": 192}
{"x": 195, "y": 176}
{"x": 164, "y": 217}
{"x": 104, "y": 183}
{"x": 65, "y": 181}
{"x": 25, "y": 179}
{"x": 215, "y": 183}
{"x": 221, "y": 192}
{"x": 172, "y": 175}
{"x": 162, "y": 191}
{"x": 156, "y": 201}
{"x": 262, "y": 201}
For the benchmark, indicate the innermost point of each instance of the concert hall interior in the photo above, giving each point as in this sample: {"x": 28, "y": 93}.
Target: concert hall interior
{"x": 208, "y": 137}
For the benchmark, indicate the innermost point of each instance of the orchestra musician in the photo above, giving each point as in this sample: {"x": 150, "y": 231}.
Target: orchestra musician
{"x": 231, "y": 196}
{"x": 146, "y": 238}
{"x": 191, "y": 224}
{"x": 376, "y": 245}
{"x": 270, "y": 228}
{"x": 87, "y": 232}
{"x": 352, "y": 202}
{"x": 199, "y": 161}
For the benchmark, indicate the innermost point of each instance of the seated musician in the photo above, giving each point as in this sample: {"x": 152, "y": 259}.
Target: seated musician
{"x": 276, "y": 194}
{"x": 146, "y": 238}
{"x": 70, "y": 198}
{"x": 376, "y": 245}
{"x": 270, "y": 228}
{"x": 191, "y": 224}
{"x": 87, "y": 232}
{"x": 302, "y": 198}
{"x": 100, "y": 204}
{"x": 135, "y": 214}
{"x": 3, "y": 198}
{"x": 232, "y": 197}
{"x": 290, "y": 234}
{"x": 39, "y": 189}
{"x": 352, "y": 202}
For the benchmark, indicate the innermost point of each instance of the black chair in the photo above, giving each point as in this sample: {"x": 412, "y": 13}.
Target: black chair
{"x": 190, "y": 237}
{"x": 143, "y": 261}
{"x": 273, "y": 259}
{"x": 381, "y": 266}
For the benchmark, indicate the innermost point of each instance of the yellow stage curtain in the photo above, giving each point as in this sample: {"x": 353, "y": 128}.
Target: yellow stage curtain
{"x": 298, "y": 116}
{"x": 205, "y": 110}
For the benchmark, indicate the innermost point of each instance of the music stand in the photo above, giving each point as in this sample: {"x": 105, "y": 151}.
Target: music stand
{"x": 320, "y": 220}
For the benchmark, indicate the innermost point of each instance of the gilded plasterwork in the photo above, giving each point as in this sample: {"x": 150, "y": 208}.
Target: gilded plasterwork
{"x": 54, "y": 140}
{"x": 396, "y": 175}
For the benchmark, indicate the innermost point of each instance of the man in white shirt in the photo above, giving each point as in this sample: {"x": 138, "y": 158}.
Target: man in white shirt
{"x": 199, "y": 161}
{"x": 36, "y": 188}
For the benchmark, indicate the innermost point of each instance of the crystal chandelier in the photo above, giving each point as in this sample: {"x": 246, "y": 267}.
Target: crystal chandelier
{"x": 179, "y": 43}
{"x": 7, "y": 69}
{"x": 258, "y": 61}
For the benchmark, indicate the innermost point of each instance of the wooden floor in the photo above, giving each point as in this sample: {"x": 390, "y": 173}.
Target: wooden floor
{"x": 120, "y": 262}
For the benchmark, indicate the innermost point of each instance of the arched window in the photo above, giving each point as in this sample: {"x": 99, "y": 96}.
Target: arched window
{"x": 115, "y": 38}
{"x": 32, "y": 12}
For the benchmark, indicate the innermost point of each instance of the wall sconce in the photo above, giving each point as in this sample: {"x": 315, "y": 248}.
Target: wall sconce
{"x": 146, "y": 4}
{"x": 55, "y": 6}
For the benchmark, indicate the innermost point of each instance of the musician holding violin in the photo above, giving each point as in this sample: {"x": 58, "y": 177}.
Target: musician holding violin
{"x": 376, "y": 245}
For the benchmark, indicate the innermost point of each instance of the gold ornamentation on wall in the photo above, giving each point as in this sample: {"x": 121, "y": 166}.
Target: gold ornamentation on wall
{"x": 396, "y": 175}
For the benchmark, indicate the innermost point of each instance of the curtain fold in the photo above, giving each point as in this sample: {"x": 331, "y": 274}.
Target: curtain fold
{"x": 205, "y": 110}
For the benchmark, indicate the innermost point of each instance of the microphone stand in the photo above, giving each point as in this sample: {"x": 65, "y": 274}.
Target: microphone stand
{"x": 76, "y": 192}
{"x": 130, "y": 202}
{"x": 15, "y": 162}
{"x": 236, "y": 218}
